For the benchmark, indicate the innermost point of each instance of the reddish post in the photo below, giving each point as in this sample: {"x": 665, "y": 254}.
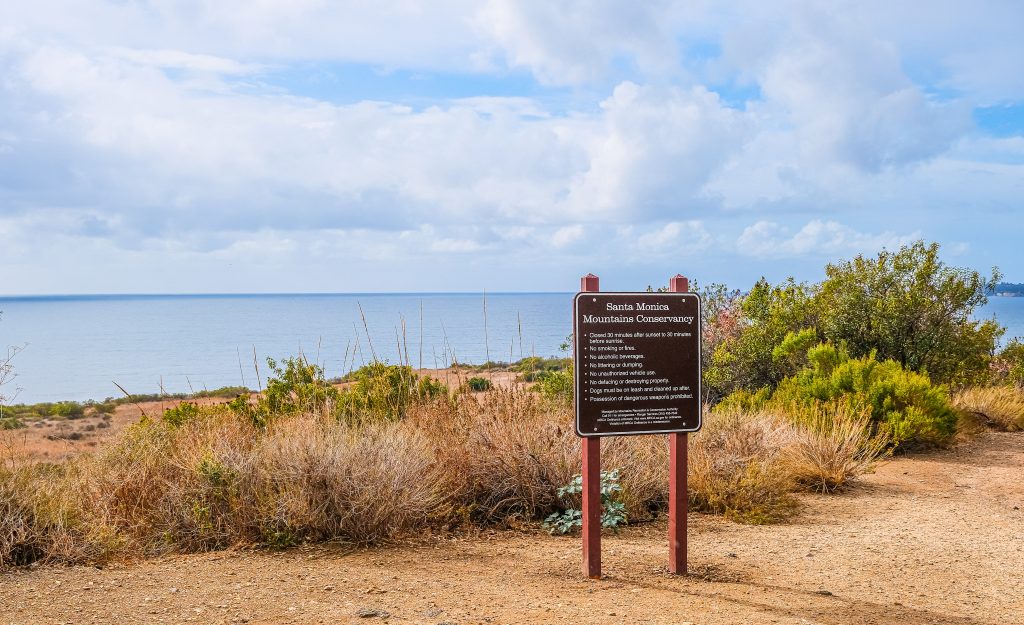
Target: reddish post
{"x": 591, "y": 446}
{"x": 678, "y": 496}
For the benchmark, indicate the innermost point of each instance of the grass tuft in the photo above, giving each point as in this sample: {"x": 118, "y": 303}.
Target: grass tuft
{"x": 999, "y": 406}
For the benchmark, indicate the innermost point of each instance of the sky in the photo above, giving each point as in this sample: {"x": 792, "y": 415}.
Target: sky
{"x": 159, "y": 146}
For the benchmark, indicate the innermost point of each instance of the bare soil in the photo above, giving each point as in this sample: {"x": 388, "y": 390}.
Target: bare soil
{"x": 935, "y": 538}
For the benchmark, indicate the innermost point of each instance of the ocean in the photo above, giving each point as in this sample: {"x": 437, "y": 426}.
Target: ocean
{"x": 77, "y": 347}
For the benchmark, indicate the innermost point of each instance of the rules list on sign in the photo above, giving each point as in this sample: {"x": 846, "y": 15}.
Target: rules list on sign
{"x": 637, "y": 363}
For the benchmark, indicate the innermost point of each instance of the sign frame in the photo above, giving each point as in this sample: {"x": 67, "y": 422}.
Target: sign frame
{"x": 578, "y": 376}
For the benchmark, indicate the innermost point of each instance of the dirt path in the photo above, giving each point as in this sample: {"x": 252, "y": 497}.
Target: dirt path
{"x": 929, "y": 539}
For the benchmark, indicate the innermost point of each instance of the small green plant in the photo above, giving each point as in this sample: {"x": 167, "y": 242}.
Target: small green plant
{"x": 11, "y": 423}
{"x": 555, "y": 385}
{"x": 477, "y": 384}
{"x": 431, "y": 388}
{"x": 613, "y": 513}
{"x": 181, "y": 414}
{"x": 68, "y": 409}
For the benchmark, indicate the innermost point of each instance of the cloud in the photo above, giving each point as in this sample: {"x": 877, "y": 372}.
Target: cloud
{"x": 570, "y": 133}
{"x": 576, "y": 42}
{"x": 674, "y": 237}
{"x": 820, "y": 238}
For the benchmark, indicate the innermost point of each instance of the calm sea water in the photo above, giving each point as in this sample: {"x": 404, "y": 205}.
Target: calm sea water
{"x": 78, "y": 346}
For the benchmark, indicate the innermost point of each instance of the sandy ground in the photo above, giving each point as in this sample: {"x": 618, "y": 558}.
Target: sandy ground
{"x": 51, "y": 440}
{"x": 935, "y": 538}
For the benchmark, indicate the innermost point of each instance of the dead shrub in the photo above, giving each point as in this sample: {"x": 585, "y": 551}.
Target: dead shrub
{"x": 505, "y": 453}
{"x": 737, "y": 467}
{"x": 320, "y": 479}
{"x": 1001, "y": 407}
{"x": 830, "y": 445}
{"x": 44, "y": 519}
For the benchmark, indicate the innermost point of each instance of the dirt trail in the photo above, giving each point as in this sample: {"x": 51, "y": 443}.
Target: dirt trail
{"x": 937, "y": 538}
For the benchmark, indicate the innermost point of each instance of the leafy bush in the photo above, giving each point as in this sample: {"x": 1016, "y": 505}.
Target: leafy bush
{"x": 296, "y": 386}
{"x": 1008, "y": 366}
{"x": 744, "y": 358}
{"x": 68, "y": 409}
{"x": 381, "y": 391}
{"x": 613, "y": 512}
{"x": 906, "y": 306}
{"x": 904, "y": 404}
{"x": 556, "y": 386}
{"x": 181, "y": 414}
{"x": 478, "y": 384}
{"x": 429, "y": 388}
{"x": 910, "y": 307}
{"x": 533, "y": 368}
{"x": 11, "y": 423}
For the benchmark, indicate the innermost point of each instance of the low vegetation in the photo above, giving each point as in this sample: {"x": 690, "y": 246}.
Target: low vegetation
{"x": 205, "y": 477}
{"x": 807, "y": 385}
{"x": 999, "y": 406}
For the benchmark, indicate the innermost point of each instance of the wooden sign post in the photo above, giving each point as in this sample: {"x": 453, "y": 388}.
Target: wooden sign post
{"x": 637, "y": 371}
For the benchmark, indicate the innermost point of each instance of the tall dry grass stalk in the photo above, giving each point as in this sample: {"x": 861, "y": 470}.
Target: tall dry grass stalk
{"x": 1000, "y": 406}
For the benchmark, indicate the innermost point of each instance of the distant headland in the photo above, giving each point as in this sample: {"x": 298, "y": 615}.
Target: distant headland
{"x": 1007, "y": 289}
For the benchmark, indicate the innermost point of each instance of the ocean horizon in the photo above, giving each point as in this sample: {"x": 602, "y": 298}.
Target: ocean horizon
{"x": 81, "y": 347}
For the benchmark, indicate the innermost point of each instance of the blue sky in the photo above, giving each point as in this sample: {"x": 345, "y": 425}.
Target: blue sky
{"x": 157, "y": 146}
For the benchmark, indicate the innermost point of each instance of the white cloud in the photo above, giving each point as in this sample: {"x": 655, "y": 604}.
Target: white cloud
{"x": 185, "y": 130}
{"x": 674, "y": 237}
{"x": 821, "y": 238}
{"x": 577, "y": 41}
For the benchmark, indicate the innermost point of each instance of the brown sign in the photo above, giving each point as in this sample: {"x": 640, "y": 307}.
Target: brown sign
{"x": 637, "y": 363}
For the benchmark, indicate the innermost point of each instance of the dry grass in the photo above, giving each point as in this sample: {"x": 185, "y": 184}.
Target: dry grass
{"x": 737, "y": 469}
{"x": 217, "y": 479}
{"x": 998, "y": 406}
{"x": 41, "y": 518}
{"x": 831, "y": 444}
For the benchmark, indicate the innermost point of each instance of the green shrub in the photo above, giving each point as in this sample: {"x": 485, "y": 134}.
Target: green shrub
{"x": 296, "y": 386}
{"x": 477, "y": 384}
{"x": 181, "y": 414}
{"x": 1008, "y": 365}
{"x": 68, "y": 409}
{"x": 903, "y": 404}
{"x": 430, "y": 388}
{"x": 746, "y": 359}
{"x": 908, "y": 306}
{"x": 556, "y": 386}
{"x": 11, "y": 423}
{"x": 381, "y": 391}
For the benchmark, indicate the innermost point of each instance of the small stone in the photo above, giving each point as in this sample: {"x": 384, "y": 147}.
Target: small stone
{"x": 824, "y": 593}
{"x": 372, "y": 613}
{"x": 731, "y": 555}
